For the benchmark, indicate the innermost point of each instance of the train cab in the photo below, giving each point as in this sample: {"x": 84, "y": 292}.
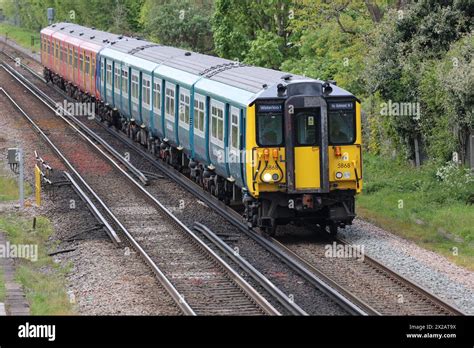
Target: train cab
{"x": 304, "y": 160}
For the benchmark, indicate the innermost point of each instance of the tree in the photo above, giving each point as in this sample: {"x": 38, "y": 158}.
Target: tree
{"x": 408, "y": 46}
{"x": 179, "y": 23}
{"x": 240, "y": 26}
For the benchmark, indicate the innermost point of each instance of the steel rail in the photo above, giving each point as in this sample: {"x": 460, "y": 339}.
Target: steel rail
{"x": 169, "y": 287}
{"x": 407, "y": 282}
{"x": 94, "y": 210}
{"x": 241, "y": 282}
{"x": 263, "y": 281}
{"x": 339, "y": 295}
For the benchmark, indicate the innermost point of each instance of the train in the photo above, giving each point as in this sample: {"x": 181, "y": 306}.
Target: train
{"x": 284, "y": 148}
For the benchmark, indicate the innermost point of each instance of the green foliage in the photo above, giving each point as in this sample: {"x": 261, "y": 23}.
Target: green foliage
{"x": 240, "y": 26}
{"x": 427, "y": 205}
{"x": 407, "y": 63}
{"x": 183, "y": 24}
{"x": 117, "y": 15}
{"x": 43, "y": 279}
{"x": 444, "y": 184}
{"x": 9, "y": 190}
{"x": 326, "y": 54}
{"x": 230, "y": 30}
{"x": 265, "y": 50}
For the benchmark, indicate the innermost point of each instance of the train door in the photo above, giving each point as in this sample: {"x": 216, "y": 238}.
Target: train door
{"x": 306, "y": 144}
{"x": 307, "y": 136}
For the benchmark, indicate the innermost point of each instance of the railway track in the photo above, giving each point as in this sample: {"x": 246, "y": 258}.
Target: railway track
{"x": 388, "y": 292}
{"x": 199, "y": 281}
{"x": 324, "y": 278}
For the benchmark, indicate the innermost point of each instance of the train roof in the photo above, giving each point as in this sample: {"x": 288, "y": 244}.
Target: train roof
{"x": 257, "y": 81}
{"x": 91, "y": 35}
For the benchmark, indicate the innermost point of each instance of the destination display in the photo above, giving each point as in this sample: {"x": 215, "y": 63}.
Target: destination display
{"x": 341, "y": 106}
{"x": 269, "y": 107}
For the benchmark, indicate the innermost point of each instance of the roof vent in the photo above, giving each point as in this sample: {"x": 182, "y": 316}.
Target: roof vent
{"x": 93, "y": 28}
{"x": 264, "y": 86}
{"x": 92, "y": 37}
{"x": 71, "y": 31}
{"x": 187, "y": 54}
{"x": 54, "y": 25}
{"x": 62, "y": 28}
{"x": 120, "y": 37}
{"x": 113, "y": 42}
{"x": 286, "y": 77}
{"x": 81, "y": 34}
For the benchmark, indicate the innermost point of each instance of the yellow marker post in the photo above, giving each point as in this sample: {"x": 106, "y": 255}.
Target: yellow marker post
{"x": 38, "y": 185}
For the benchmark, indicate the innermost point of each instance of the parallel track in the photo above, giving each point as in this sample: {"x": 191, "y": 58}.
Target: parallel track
{"x": 224, "y": 291}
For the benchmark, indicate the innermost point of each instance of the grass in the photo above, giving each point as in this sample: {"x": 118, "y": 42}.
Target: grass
{"x": 43, "y": 279}
{"x": 413, "y": 203}
{"x": 9, "y": 188}
{"x": 2, "y": 287}
{"x": 21, "y": 36}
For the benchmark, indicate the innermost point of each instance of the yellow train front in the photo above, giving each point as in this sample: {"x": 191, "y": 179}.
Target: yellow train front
{"x": 303, "y": 156}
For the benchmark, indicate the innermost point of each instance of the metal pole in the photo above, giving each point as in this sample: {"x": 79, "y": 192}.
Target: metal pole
{"x": 417, "y": 153}
{"x": 20, "y": 179}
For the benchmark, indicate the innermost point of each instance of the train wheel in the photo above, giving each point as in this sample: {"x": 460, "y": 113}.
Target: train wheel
{"x": 270, "y": 231}
{"x": 333, "y": 230}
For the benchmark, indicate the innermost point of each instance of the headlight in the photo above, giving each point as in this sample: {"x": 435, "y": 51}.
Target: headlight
{"x": 275, "y": 177}
{"x": 267, "y": 177}
{"x": 338, "y": 175}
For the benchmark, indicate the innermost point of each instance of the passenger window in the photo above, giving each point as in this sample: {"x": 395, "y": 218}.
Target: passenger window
{"x": 134, "y": 86}
{"x": 217, "y": 121}
{"x": 170, "y": 101}
{"x": 125, "y": 82}
{"x": 157, "y": 97}
{"x": 235, "y": 134}
{"x": 199, "y": 110}
{"x": 184, "y": 101}
{"x": 88, "y": 65}
{"x": 146, "y": 92}
{"x": 117, "y": 79}
{"x": 109, "y": 73}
